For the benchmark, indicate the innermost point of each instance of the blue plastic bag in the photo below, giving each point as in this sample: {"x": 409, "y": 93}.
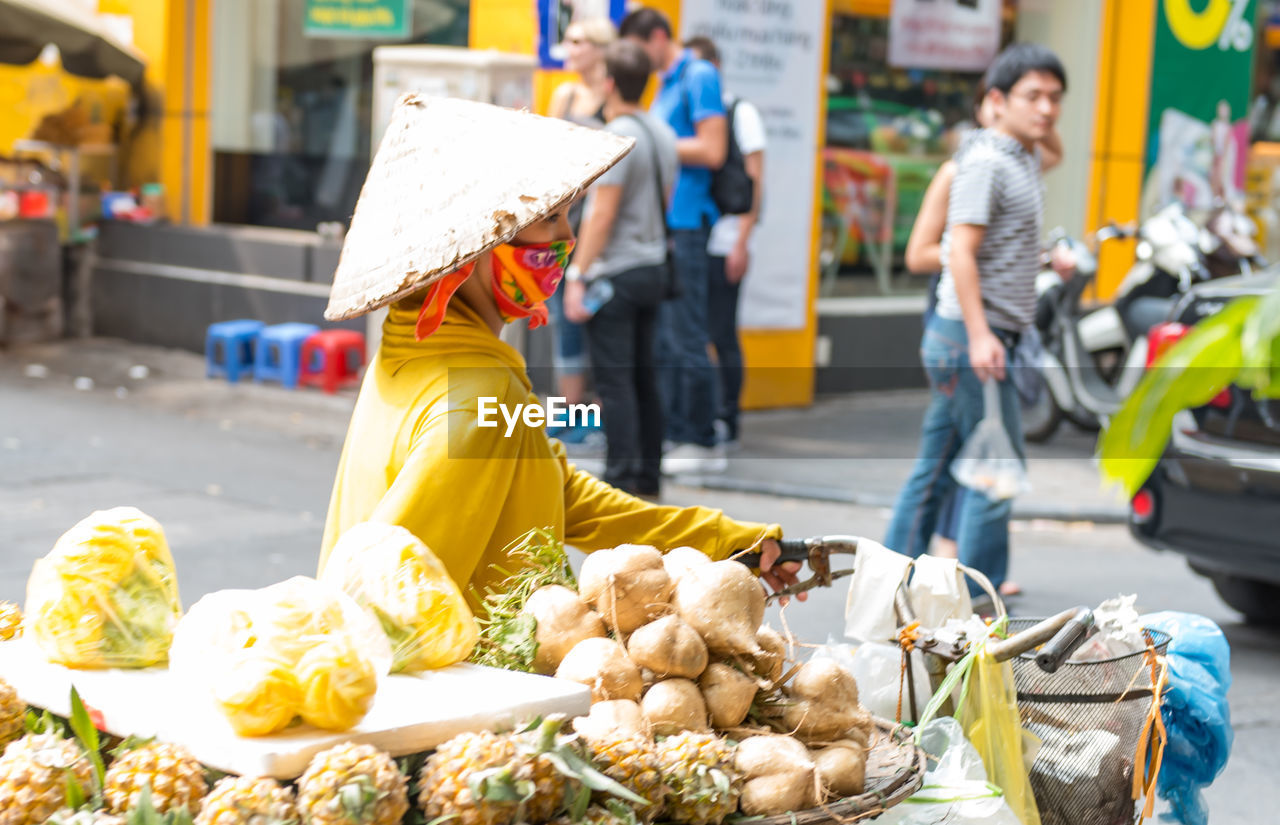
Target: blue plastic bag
{"x": 1196, "y": 714}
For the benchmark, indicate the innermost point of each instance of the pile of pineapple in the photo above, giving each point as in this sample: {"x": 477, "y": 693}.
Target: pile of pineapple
{"x": 538, "y": 774}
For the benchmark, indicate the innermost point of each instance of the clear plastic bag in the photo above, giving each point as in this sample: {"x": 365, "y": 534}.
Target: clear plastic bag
{"x": 106, "y": 595}
{"x": 264, "y": 657}
{"x": 393, "y": 575}
{"x": 955, "y": 790}
{"x": 988, "y": 462}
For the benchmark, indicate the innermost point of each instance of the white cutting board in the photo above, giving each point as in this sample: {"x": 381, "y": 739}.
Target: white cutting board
{"x": 410, "y": 714}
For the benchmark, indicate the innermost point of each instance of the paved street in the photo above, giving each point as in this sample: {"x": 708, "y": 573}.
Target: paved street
{"x": 240, "y": 477}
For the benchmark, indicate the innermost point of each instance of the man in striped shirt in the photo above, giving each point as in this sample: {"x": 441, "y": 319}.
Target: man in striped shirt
{"x": 991, "y": 255}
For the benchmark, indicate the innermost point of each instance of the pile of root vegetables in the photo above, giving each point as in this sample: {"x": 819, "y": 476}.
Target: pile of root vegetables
{"x": 673, "y": 643}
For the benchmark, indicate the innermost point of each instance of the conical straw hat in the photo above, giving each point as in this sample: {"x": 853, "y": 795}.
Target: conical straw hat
{"x": 452, "y": 179}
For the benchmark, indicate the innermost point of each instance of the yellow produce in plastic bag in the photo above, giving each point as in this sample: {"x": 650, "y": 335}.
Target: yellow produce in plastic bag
{"x": 265, "y": 657}
{"x": 258, "y": 694}
{"x": 389, "y": 572}
{"x": 989, "y": 713}
{"x": 106, "y": 595}
{"x": 338, "y": 684}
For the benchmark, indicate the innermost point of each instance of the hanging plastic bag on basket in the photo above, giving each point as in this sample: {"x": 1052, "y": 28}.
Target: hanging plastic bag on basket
{"x": 955, "y": 789}
{"x": 987, "y": 462}
{"x": 988, "y": 710}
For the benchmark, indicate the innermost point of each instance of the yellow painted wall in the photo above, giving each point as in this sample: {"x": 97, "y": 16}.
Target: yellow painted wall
{"x": 174, "y": 120}
{"x": 1125, "y": 51}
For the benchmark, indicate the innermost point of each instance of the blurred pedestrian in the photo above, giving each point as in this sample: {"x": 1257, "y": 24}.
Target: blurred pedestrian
{"x": 580, "y": 100}
{"x": 623, "y": 243}
{"x": 690, "y": 101}
{"x": 730, "y": 245}
{"x": 991, "y": 255}
{"x": 924, "y": 257}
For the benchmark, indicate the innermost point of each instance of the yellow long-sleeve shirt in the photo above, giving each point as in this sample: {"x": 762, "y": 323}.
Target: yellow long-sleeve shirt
{"x": 414, "y": 456}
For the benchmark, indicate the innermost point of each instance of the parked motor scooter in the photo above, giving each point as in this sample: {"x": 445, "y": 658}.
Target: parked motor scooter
{"x": 1090, "y": 362}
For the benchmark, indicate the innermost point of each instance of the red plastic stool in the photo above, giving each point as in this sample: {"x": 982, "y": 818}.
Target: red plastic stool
{"x": 330, "y": 358}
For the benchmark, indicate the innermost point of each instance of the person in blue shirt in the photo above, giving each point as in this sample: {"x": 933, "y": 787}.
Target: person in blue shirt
{"x": 690, "y": 101}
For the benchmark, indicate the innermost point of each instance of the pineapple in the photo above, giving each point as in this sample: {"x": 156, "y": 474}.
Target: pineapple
{"x": 632, "y": 762}
{"x": 34, "y": 773}
{"x": 10, "y": 621}
{"x": 238, "y": 800}
{"x": 352, "y": 785}
{"x": 175, "y": 778}
{"x": 12, "y": 712}
{"x": 490, "y": 779}
{"x": 703, "y": 786}
{"x": 447, "y": 778}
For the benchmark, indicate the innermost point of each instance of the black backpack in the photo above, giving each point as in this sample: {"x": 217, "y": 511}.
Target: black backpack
{"x": 732, "y": 188}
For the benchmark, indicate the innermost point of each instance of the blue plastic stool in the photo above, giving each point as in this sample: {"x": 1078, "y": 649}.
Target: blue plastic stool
{"x": 229, "y": 348}
{"x": 279, "y": 351}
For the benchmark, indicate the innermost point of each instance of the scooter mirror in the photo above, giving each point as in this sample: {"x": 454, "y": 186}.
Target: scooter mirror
{"x": 1145, "y": 250}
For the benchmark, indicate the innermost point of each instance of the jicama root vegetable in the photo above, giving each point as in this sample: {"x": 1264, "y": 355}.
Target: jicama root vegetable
{"x": 603, "y": 666}
{"x": 780, "y": 776}
{"x": 823, "y": 702}
{"x": 769, "y": 663}
{"x": 680, "y": 559}
{"x": 563, "y": 620}
{"x": 675, "y": 705}
{"x": 724, "y": 602}
{"x": 842, "y": 768}
{"x": 613, "y": 719}
{"x": 628, "y": 585}
{"x": 728, "y": 692}
{"x": 669, "y": 647}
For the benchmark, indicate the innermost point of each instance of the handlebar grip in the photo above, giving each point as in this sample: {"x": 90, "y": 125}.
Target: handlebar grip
{"x": 792, "y": 550}
{"x": 1065, "y": 642}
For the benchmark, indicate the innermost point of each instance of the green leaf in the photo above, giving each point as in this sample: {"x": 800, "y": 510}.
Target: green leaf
{"x": 1189, "y": 375}
{"x": 75, "y": 796}
{"x": 87, "y": 735}
{"x": 582, "y": 770}
{"x": 1260, "y": 347}
{"x": 581, "y": 801}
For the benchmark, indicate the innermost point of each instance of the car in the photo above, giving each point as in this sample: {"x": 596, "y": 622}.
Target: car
{"x": 1214, "y": 496}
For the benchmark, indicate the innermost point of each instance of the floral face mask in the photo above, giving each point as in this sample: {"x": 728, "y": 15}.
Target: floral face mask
{"x": 524, "y": 277}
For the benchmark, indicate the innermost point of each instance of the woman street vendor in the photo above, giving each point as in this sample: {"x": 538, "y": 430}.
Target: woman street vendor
{"x": 459, "y": 230}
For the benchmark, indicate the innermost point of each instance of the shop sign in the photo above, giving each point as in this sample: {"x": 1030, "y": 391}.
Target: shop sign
{"x": 772, "y": 54}
{"x": 1196, "y": 133}
{"x": 950, "y": 35}
{"x": 374, "y": 19}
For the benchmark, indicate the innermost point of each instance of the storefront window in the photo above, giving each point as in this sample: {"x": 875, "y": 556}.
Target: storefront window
{"x": 291, "y": 111}
{"x": 888, "y": 130}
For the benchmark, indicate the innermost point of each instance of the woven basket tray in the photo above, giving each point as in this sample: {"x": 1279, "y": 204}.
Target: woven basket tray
{"x": 895, "y": 770}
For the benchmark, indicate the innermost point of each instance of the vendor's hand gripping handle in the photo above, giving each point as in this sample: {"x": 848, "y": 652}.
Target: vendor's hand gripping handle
{"x": 816, "y": 552}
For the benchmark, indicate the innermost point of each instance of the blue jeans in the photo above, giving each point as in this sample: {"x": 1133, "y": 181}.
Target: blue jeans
{"x": 954, "y": 411}
{"x": 686, "y": 377}
{"x": 570, "y": 353}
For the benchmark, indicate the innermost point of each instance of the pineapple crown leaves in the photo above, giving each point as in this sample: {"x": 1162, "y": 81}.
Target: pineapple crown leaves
{"x": 88, "y": 739}
{"x": 508, "y": 636}
{"x": 45, "y": 722}
{"x": 560, "y": 749}
{"x": 359, "y": 799}
{"x": 145, "y": 813}
{"x": 130, "y": 743}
